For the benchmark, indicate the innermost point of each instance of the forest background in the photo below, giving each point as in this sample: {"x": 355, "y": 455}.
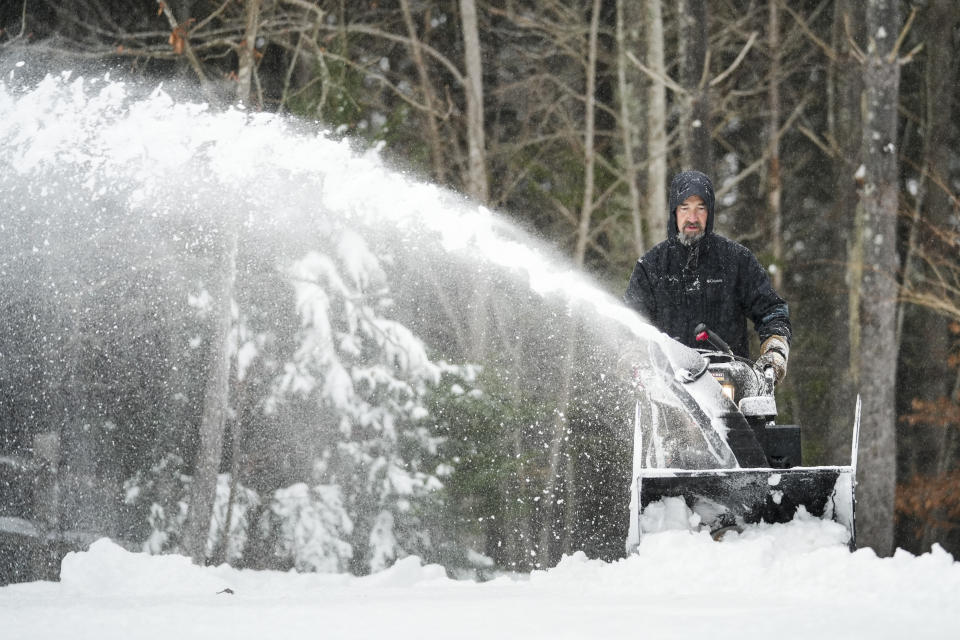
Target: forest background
{"x": 829, "y": 128}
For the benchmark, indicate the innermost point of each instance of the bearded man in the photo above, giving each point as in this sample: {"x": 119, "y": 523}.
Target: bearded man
{"x": 698, "y": 276}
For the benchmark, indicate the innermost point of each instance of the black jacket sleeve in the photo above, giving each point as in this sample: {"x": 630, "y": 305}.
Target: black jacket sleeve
{"x": 762, "y": 304}
{"x": 639, "y": 295}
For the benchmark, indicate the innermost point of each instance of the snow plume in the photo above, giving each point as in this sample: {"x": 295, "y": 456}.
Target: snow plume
{"x": 360, "y": 298}
{"x": 324, "y": 362}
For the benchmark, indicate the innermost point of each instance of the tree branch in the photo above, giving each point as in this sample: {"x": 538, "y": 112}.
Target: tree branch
{"x": 656, "y": 77}
{"x": 187, "y": 48}
{"x": 830, "y": 52}
{"x": 903, "y": 34}
{"x": 736, "y": 63}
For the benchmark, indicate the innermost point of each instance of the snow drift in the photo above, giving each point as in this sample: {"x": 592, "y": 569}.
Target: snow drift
{"x": 794, "y": 580}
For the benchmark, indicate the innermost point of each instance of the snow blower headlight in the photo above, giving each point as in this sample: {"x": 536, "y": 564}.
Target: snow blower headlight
{"x": 728, "y": 390}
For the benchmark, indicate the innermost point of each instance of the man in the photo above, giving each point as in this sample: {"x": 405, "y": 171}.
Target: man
{"x": 699, "y": 276}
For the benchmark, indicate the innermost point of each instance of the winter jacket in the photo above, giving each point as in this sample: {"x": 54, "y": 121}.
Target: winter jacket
{"x": 716, "y": 281}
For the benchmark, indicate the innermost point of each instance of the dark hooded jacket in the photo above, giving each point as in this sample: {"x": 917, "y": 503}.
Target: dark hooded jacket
{"x": 715, "y": 281}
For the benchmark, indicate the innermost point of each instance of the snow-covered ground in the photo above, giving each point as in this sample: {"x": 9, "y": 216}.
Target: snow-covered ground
{"x": 781, "y": 581}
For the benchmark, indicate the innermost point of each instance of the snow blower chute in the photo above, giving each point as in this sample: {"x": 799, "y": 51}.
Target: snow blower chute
{"x": 712, "y": 441}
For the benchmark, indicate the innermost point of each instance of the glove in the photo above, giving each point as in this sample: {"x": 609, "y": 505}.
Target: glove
{"x": 773, "y": 354}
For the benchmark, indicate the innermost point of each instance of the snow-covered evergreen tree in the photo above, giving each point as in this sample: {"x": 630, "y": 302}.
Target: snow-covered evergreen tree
{"x": 158, "y": 493}
{"x": 161, "y": 494}
{"x": 310, "y": 528}
{"x": 363, "y": 379}
{"x": 230, "y": 526}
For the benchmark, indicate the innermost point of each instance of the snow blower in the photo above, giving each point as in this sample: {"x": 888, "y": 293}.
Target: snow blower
{"x": 712, "y": 441}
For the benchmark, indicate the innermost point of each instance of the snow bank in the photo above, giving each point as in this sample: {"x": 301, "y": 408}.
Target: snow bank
{"x": 107, "y": 569}
{"x": 796, "y": 580}
{"x": 805, "y": 557}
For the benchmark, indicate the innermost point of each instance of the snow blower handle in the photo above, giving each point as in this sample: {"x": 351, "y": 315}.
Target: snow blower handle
{"x": 703, "y": 334}
{"x": 769, "y": 380}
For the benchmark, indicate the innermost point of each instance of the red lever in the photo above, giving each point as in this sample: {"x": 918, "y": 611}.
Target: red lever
{"x": 702, "y": 336}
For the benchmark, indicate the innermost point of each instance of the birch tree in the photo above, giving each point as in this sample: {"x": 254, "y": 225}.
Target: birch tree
{"x": 656, "y": 126}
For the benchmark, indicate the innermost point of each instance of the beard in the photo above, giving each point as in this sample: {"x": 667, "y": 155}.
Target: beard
{"x": 690, "y": 237}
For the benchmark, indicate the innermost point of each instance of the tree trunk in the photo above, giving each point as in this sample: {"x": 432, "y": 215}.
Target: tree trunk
{"x": 694, "y": 126}
{"x": 245, "y": 55}
{"x": 837, "y": 237}
{"x": 237, "y": 463}
{"x": 477, "y": 186}
{"x": 656, "y": 212}
{"x": 215, "y": 403}
{"x": 423, "y": 74}
{"x": 878, "y": 303}
{"x": 589, "y": 128}
{"x": 774, "y": 184}
{"x": 940, "y": 76}
{"x": 558, "y": 456}
{"x": 628, "y": 88}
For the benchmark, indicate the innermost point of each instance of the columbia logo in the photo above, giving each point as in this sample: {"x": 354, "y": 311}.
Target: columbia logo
{"x": 714, "y": 280}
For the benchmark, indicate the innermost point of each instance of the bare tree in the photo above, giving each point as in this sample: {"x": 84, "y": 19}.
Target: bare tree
{"x": 215, "y": 406}
{"x": 774, "y": 181}
{"x": 930, "y": 275}
{"x": 691, "y": 86}
{"x": 246, "y": 51}
{"x": 559, "y": 456}
{"x": 628, "y": 90}
{"x": 426, "y": 88}
{"x": 694, "y": 125}
{"x": 877, "y": 229}
{"x": 589, "y": 139}
{"x": 476, "y": 146}
{"x": 656, "y": 126}
{"x": 838, "y": 245}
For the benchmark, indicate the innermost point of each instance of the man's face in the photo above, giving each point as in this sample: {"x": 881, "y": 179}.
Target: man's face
{"x": 692, "y": 218}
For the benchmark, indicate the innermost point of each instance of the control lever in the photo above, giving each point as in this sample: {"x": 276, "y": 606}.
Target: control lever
{"x": 705, "y": 335}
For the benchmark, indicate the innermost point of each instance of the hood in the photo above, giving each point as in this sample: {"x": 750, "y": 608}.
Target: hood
{"x": 684, "y": 185}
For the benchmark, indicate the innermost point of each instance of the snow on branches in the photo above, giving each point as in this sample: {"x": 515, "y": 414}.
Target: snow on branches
{"x": 367, "y": 378}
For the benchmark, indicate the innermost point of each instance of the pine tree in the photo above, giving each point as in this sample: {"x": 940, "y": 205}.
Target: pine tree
{"x": 365, "y": 378}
